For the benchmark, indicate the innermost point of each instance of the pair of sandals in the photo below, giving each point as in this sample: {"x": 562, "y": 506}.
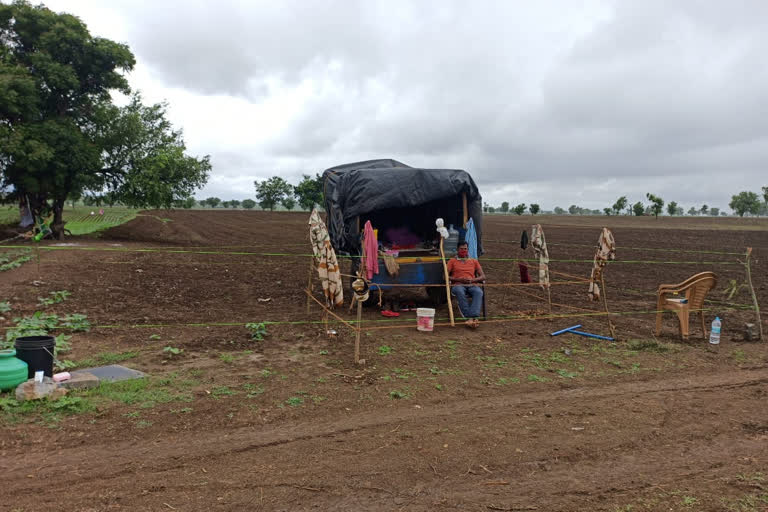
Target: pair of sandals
{"x": 393, "y": 310}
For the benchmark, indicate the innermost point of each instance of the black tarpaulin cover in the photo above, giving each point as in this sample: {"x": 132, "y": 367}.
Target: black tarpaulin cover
{"x": 360, "y": 188}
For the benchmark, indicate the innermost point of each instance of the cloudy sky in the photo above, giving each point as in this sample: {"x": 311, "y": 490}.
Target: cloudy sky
{"x": 556, "y": 102}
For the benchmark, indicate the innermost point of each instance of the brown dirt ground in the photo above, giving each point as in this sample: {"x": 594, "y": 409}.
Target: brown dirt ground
{"x": 495, "y": 419}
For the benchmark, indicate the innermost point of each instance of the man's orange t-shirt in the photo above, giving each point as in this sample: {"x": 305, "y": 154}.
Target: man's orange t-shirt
{"x": 463, "y": 269}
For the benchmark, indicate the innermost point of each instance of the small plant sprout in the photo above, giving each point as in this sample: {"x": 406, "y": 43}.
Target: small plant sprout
{"x": 385, "y": 350}
{"x": 76, "y": 322}
{"x": 5, "y": 307}
{"x": 56, "y": 297}
{"x": 258, "y": 330}
{"x": 173, "y": 351}
{"x": 295, "y": 401}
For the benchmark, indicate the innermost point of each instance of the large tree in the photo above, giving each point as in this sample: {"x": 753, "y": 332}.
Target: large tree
{"x": 620, "y": 204}
{"x": 657, "y": 204}
{"x": 745, "y": 202}
{"x": 534, "y": 208}
{"x": 672, "y": 208}
{"x": 60, "y": 134}
{"x": 309, "y": 191}
{"x": 272, "y": 191}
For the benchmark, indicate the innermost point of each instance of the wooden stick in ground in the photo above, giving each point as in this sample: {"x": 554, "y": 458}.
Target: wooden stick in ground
{"x": 549, "y": 298}
{"x": 605, "y": 303}
{"x": 754, "y": 297}
{"x": 329, "y": 312}
{"x": 359, "y": 331}
{"x": 309, "y": 280}
{"x": 447, "y": 283}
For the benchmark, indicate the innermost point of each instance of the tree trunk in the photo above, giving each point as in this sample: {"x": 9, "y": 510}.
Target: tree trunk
{"x": 57, "y": 227}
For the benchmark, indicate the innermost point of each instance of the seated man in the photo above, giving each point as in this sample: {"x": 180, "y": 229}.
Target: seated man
{"x": 464, "y": 272}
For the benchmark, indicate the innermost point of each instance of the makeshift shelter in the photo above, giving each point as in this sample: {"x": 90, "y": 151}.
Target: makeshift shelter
{"x": 393, "y": 195}
{"x": 402, "y": 204}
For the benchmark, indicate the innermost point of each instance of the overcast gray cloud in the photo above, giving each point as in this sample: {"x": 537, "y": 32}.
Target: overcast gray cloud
{"x": 549, "y": 102}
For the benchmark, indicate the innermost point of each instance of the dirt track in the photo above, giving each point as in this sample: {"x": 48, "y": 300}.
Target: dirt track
{"x": 602, "y": 430}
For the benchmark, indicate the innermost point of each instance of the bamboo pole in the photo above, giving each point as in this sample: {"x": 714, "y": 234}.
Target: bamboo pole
{"x": 605, "y": 304}
{"x": 754, "y": 296}
{"x": 329, "y": 312}
{"x": 549, "y": 298}
{"x": 309, "y": 280}
{"x": 465, "y": 210}
{"x": 447, "y": 283}
{"x": 359, "y": 331}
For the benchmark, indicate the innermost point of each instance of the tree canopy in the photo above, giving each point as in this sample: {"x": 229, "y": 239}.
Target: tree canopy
{"x": 620, "y": 204}
{"x": 309, "y": 191}
{"x": 745, "y": 202}
{"x": 672, "y": 208}
{"x": 60, "y": 133}
{"x": 657, "y": 204}
{"x": 272, "y": 191}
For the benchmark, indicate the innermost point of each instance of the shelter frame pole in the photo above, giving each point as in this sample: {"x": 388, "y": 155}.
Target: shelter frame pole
{"x": 605, "y": 304}
{"x": 549, "y": 298}
{"x": 447, "y": 283}
{"x": 464, "y": 209}
{"x": 359, "y": 331}
{"x": 309, "y": 281}
{"x": 752, "y": 291}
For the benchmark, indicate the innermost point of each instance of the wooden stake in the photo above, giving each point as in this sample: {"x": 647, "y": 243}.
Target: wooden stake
{"x": 447, "y": 283}
{"x": 549, "y": 298}
{"x": 605, "y": 303}
{"x": 359, "y": 331}
{"x": 465, "y": 210}
{"x": 754, "y": 296}
{"x": 309, "y": 280}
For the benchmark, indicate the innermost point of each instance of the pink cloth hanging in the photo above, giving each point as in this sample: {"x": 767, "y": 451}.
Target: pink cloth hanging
{"x": 371, "y": 249}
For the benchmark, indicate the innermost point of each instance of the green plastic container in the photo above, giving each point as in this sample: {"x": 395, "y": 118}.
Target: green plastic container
{"x": 13, "y": 371}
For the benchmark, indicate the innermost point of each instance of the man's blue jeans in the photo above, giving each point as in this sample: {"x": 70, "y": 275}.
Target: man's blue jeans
{"x": 462, "y": 294}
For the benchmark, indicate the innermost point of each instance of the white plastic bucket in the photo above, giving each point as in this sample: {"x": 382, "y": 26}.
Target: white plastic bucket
{"x": 425, "y": 318}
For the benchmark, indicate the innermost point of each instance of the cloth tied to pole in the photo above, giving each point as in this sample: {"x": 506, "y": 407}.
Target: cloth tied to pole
{"x": 325, "y": 261}
{"x": 539, "y": 243}
{"x": 605, "y": 252}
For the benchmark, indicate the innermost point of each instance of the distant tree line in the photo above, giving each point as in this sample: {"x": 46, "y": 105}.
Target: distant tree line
{"x": 270, "y": 194}
{"x": 743, "y": 203}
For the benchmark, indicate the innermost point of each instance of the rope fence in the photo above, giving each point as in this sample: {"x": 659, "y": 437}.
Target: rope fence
{"x": 372, "y": 325}
{"x": 307, "y": 255}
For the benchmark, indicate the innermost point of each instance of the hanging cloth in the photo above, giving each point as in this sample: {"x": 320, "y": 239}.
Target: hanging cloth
{"x": 524, "y": 240}
{"x": 325, "y": 261}
{"x": 471, "y": 239}
{"x": 524, "y": 276}
{"x": 371, "y": 250}
{"x": 539, "y": 244}
{"x": 393, "y": 267}
{"x": 605, "y": 252}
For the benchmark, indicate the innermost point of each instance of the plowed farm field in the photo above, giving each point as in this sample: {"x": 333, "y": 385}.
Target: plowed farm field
{"x": 505, "y": 417}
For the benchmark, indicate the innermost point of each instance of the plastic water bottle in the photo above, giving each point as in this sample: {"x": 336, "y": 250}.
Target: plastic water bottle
{"x": 714, "y": 335}
{"x": 452, "y": 243}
